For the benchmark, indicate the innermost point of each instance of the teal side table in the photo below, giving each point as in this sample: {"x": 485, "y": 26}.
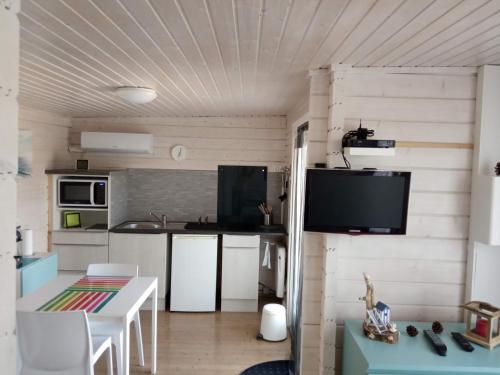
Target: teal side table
{"x": 413, "y": 355}
{"x": 38, "y": 272}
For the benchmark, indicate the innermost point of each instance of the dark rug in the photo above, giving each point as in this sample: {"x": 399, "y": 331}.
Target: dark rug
{"x": 268, "y": 368}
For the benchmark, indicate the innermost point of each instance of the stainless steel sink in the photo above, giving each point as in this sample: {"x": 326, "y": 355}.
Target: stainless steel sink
{"x": 140, "y": 225}
{"x": 148, "y": 225}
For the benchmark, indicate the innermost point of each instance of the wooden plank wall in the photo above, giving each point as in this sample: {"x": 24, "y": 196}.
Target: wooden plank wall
{"x": 9, "y": 88}
{"x": 50, "y": 134}
{"x": 210, "y": 141}
{"x": 420, "y": 275}
{"x": 313, "y": 243}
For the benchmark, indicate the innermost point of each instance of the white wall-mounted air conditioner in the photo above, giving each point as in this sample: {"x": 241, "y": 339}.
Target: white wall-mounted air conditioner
{"x": 131, "y": 143}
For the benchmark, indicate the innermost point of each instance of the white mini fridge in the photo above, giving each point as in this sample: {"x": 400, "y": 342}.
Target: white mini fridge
{"x": 194, "y": 272}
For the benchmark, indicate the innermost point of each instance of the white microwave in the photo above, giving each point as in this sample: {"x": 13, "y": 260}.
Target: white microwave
{"x": 82, "y": 193}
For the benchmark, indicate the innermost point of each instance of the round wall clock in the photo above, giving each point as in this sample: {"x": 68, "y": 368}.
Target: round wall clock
{"x": 179, "y": 152}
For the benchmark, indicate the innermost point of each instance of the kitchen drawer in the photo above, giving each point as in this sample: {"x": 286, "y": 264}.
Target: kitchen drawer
{"x": 240, "y": 241}
{"x": 79, "y": 237}
{"x": 78, "y": 257}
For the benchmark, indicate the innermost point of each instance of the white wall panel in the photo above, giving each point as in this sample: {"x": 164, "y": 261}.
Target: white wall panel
{"x": 313, "y": 243}
{"x": 9, "y": 42}
{"x": 9, "y": 73}
{"x": 50, "y": 135}
{"x": 407, "y": 109}
{"x": 392, "y": 248}
{"x": 8, "y": 148}
{"x": 367, "y": 84}
{"x": 210, "y": 141}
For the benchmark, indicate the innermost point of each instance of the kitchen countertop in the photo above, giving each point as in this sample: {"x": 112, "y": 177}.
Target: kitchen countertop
{"x": 274, "y": 230}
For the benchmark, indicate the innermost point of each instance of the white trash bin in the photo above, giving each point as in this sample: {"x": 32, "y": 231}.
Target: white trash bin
{"x": 273, "y": 324}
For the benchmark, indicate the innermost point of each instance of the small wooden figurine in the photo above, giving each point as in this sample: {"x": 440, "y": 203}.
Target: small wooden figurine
{"x": 486, "y": 331}
{"x": 377, "y": 324}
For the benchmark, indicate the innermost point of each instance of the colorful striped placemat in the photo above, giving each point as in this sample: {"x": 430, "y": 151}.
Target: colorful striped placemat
{"x": 90, "y": 293}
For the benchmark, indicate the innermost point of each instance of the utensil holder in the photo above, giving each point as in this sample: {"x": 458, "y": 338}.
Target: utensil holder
{"x": 268, "y": 220}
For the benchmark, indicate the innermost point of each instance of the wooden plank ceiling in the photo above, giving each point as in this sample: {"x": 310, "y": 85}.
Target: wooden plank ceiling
{"x": 232, "y": 57}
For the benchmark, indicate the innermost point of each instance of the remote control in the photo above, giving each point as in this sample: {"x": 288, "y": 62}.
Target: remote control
{"x": 462, "y": 341}
{"x": 436, "y": 342}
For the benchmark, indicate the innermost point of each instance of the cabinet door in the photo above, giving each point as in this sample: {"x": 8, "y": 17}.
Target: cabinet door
{"x": 194, "y": 273}
{"x": 38, "y": 274}
{"x": 240, "y": 269}
{"x": 78, "y": 257}
{"x": 148, "y": 251}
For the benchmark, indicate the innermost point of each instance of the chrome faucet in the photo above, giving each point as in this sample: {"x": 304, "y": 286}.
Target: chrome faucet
{"x": 162, "y": 220}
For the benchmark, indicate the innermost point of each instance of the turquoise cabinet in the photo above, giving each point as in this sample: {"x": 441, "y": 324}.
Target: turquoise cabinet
{"x": 36, "y": 272}
{"x": 413, "y": 355}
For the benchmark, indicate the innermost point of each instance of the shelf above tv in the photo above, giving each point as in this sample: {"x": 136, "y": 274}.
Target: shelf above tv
{"x": 370, "y": 151}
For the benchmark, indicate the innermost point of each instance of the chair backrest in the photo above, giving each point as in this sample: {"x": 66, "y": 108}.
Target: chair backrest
{"x": 54, "y": 343}
{"x": 113, "y": 269}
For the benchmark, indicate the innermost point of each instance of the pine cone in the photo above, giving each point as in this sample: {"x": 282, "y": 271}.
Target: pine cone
{"x": 437, "y": 327}
{"x": 412, "y": 331}
{"x": 497, "y": 169}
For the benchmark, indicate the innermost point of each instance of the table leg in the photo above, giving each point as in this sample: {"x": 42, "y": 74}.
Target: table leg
{"x": 119, "y": 355}
{"x": 154, "y": 312}
{"x": 126, "y": 348}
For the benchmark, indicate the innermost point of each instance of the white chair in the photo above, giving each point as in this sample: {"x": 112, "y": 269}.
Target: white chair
{"x": 111, "y": 328}
{"x": 59, "y": 343}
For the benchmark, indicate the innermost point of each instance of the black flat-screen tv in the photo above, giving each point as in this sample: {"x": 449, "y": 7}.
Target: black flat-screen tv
{"x": 240, "y": 190}
{"x": 356, "y": 201}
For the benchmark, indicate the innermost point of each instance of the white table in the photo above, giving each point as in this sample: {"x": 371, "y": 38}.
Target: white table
{"x": 123, "y": 306}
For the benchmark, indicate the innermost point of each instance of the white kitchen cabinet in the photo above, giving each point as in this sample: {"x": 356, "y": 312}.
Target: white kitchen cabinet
{"x": 240, "y": 273}
{"x": 148, "y": 251}
{"x": 194, "y": 272}
{"x": 78, "y": 257}
{"x": 79, "y": 248}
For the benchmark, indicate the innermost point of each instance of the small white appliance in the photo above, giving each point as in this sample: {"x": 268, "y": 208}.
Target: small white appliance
{"x": 130, "y": 143}
{"x": 27, "y": 242}
{"x": 273, "y": 323}
{"x": 73, "y": 192}
{"x": 279, "y": 270}
{"x": 194, "y": 272}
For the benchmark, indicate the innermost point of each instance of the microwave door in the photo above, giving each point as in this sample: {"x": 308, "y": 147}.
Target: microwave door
{"x": 75, "y": 193}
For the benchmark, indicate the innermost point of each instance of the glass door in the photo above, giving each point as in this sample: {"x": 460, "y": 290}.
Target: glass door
{"x": 75, "y": 193}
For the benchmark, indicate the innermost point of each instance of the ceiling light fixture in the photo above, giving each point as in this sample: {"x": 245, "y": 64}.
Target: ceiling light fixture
{"x": 136, "y": 95}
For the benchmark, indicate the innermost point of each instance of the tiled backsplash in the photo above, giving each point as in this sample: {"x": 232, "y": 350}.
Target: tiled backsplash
{"x": 183, "y": 195}
{"x": 119, "y": 197}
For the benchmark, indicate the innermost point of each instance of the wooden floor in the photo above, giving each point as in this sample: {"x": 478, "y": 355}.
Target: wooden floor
{"x": 204, "y": 343}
